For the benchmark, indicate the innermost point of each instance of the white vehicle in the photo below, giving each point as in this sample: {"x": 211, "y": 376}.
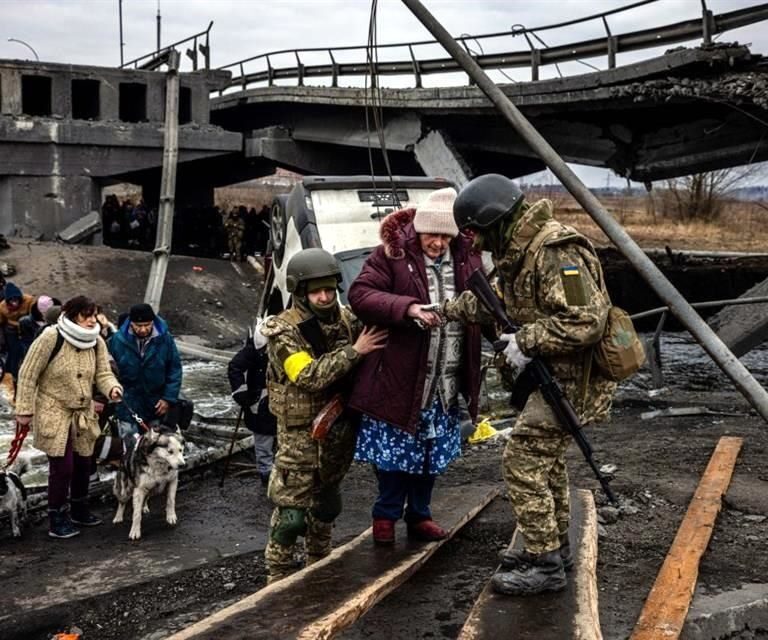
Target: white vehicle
{"x": 340, "y": 214}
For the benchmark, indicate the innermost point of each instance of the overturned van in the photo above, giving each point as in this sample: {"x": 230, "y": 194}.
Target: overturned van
{"x": 340, "y": 214}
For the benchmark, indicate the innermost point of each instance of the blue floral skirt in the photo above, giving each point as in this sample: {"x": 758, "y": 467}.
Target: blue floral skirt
{"x": 430, "y": 450}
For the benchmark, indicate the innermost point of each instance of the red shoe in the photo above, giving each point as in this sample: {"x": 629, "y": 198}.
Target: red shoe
{"x": 383, "y": 531}
{"x": 427, "y": 530}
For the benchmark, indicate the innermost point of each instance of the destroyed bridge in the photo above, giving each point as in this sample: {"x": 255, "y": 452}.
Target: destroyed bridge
{"x": 67, "y": 131}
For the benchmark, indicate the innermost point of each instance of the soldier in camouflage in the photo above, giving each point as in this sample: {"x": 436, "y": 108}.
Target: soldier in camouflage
{"x": 235, "y": 227}
{"x": 312, "y": 347}
{"x": 553, "y": 287}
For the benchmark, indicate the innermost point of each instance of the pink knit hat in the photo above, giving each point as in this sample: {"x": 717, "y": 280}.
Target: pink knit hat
{"x": 44, "y": 303}
{"x": 435, "y": 214}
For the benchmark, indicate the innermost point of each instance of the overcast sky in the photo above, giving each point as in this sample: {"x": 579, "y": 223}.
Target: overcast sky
{"x": 87, "y": 31}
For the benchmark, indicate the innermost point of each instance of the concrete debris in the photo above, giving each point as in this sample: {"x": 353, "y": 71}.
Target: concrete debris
{"x": 81, "y": 229}
{"x": 678, "y": 412}
{"x": 607, "y": 515}
{"x": 744, "y": 88}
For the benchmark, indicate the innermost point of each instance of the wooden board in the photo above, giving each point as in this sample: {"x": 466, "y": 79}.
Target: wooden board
{"x": 327, "y": 597}
{"x": 571, "y": 613}
{"x": 667, "y": 605}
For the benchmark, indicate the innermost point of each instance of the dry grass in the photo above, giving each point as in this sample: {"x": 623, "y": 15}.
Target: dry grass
{"x": 742, "y": 227}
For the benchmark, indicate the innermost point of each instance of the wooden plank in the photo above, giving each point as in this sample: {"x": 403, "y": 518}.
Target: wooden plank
{"x": 571, "y": 613}
{"x": 667, "y": 605}
{"x": 323, "y": 599}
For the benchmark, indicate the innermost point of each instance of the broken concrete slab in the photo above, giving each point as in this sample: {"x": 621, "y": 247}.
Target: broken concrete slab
{"x": 744, "y": 327}
{"x": 722, "y": 614}
{"x": 81, "y": 229}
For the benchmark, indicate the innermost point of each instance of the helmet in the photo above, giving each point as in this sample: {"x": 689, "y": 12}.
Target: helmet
{"x": 308, "y": 265}
{"x": 485, "y": 200}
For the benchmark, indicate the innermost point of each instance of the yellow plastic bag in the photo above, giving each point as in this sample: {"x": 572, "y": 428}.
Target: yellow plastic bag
{"x": 483, "y": 431}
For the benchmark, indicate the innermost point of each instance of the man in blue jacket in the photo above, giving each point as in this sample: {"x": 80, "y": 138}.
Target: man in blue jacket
{"x": 149, "y": 368}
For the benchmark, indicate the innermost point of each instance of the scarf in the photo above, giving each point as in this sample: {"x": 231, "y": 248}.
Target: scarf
{"x": 79, "y": 337}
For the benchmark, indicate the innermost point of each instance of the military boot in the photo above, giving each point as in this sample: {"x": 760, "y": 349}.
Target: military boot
{"x": 518, "y": 558}
{"x": 543, "y": 573}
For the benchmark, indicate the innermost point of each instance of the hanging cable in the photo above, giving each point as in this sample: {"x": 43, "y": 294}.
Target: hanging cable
{"x": 377, "y": 108}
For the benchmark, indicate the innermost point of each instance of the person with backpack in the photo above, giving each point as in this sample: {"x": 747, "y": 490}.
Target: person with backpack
{"x": 247, "y": 373}
{"x": 54, "y": 395}
{"x": 553, "y": 287}
{"x": 15, "y": 306}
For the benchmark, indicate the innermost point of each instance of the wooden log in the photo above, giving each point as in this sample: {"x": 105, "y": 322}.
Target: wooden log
{"x": 330, "y": 595}
{"x": 572, "y": 613}
{"x": 666, "y": 608}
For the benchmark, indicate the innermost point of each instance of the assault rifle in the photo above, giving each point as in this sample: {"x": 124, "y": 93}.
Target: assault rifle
{"x": 542, "y": 377}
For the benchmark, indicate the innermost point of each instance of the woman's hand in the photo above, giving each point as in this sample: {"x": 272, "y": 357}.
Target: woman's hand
{"x": 116, "y": 395}
{"x": 24, "y": 421}
{"x": 429, "y": 318}
{"x": 371, "y": 339}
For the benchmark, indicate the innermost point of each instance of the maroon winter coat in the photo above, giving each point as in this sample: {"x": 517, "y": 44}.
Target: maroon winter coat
{"x": 389, "y": 383}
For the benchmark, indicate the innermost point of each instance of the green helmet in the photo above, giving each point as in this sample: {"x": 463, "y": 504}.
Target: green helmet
{"x": 485, "y": 200}
{"x": 310, "y": 264}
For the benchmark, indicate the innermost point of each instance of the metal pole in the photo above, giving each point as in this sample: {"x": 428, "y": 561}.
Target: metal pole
{"x": 158, "y": 25}
{"x": 162, "y": 251}
{"x": 742, "y": 378}
{"x": 120, "y": 17}
{"x": 37, "y": 57}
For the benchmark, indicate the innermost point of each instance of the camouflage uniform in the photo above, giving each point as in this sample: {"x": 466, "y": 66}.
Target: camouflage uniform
{"x": 552, "y": 285}
{"x": 305, "y": 480}
{"x": 235, "y": 227}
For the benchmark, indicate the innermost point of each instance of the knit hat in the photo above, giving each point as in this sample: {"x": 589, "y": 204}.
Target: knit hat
{"x": 12, "y": 291}
{"x": 51, "y": 315}
{"x": 141, "y": 312}
{"x": 44, "y": 303}
{"x": 435, "y": 214}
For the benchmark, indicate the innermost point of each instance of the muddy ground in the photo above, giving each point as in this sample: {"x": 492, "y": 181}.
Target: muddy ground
{"x": 659, "y": 461}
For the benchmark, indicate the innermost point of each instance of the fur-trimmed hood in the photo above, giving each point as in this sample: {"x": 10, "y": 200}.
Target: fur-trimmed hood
{"x": 397, "y": 235}
{"x": 395, "y": 231}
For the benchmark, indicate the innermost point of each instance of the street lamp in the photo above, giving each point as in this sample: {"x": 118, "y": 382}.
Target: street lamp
{"x": 26, "y": 45}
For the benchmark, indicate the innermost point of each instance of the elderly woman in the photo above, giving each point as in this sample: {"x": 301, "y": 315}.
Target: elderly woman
{"x": 54, "y": 393}
{"x": 409, "y": 392}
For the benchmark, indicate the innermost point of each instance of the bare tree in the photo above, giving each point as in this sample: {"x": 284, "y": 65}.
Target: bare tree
{"x": 702, "y": 196}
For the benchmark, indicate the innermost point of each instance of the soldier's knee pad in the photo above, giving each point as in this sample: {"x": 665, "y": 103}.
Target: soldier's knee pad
{"x": 328, "y": 505}
{"x": 291, "y": 524}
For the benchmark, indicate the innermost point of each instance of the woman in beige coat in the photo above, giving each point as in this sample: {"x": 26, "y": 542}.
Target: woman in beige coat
{"x": 54, "y": 393}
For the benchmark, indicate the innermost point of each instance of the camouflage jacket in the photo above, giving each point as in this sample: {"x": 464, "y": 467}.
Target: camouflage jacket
{"x": 302, "y": 378}
{"x": 553, "y": 287}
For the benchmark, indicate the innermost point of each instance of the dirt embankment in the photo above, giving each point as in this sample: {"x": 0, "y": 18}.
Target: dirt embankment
{"x": 202, "y": 297}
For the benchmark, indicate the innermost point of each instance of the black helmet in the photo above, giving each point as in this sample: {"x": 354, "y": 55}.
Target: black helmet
{"x": 309, "y": 264}
{"x": 485, "y": 200}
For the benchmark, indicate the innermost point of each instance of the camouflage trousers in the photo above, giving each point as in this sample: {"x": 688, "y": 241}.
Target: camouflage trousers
{"x": 533, "y": 466}
{"x": 235, "y": 243}
{"x": 282, "y": 560}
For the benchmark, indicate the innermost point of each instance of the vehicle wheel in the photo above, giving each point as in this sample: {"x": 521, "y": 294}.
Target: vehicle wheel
{"x": 277, "y": 227}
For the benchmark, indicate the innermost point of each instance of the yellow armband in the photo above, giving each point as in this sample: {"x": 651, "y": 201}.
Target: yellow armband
{"x": 294, "y": 364}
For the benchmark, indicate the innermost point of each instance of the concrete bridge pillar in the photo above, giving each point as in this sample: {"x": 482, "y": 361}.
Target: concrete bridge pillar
{"x": 438, "y": 157}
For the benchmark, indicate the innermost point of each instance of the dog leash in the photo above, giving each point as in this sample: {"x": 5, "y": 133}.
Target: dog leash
{"x": 137, "y": 418}
{"x": 18, "y": 440}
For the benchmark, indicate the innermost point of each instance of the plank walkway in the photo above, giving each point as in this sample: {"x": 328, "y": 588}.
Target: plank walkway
{"x": 323, "y": 599}
{"x": 571, "y": 613}
{"x": 666, "y": 608}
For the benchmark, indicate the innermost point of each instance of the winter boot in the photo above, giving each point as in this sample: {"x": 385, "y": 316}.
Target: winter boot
{"x": 383, "y": 531}
{"x": 518, "y": 558}
{"x": 543, "y": 573}
{"x": 80, "y": 513}
{"x": 427, "y": 530}
{"x": 59, "y": 524}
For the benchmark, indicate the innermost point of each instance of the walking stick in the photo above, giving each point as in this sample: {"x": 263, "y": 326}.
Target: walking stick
{"x": 231, "y": 447}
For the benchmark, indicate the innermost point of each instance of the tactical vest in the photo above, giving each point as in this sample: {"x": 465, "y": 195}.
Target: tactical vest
{"x": 520, "y": 293}
{"x": 291, "y": 405}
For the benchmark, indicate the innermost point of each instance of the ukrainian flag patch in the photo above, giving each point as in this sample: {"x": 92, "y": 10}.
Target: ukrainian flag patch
{"x": 570, "y": 270}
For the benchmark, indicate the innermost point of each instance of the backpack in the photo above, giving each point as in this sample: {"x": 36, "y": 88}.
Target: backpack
{"x": 56, "y": 347}
{"x": 619, "y": 353}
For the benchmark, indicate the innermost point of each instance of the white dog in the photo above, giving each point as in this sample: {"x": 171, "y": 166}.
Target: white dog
{"x": 149, "y": 466}
{"x": 13, "y": 495}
